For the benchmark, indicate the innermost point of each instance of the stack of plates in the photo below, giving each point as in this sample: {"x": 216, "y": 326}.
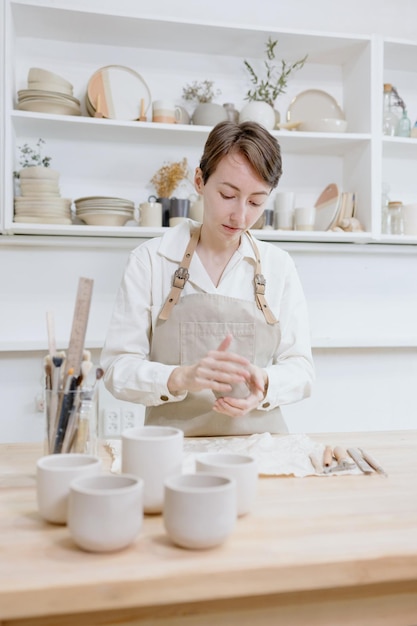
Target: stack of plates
{"x": 104, "y": 210}
{"x": 48, "y": 93}
{"x": 42, "y": 210}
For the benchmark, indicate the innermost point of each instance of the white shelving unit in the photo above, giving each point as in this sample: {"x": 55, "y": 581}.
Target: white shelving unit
{"x": 110, "y": 157}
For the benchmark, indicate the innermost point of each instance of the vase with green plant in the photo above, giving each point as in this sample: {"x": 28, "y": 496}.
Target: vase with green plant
{"x": 33, "y": 163}
{"x": 202, "y": 94}
{"x": 272, "y": 82}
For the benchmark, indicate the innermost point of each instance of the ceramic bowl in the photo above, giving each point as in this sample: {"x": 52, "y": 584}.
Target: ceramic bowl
{"x": 240, "y": 467}
{"x": 105, "y": 513}
{"x": 38, "y": 74}
{"x": 324, "y": 125}
{"x": 200, "y": 509}
{"x": 107, "y": 219}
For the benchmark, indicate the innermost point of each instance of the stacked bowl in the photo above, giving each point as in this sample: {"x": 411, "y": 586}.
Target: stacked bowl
{"x": 40, "y": 200}
{"x": 48, "y": 93}
{"x": 104, "y": 210}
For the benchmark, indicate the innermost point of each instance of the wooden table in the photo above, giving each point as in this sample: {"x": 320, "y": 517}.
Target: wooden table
{"x": 317, "y": 551}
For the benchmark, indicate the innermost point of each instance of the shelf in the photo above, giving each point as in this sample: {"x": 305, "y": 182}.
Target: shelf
{"x": 115, "y": 29}
{"x": 73, "y": 128}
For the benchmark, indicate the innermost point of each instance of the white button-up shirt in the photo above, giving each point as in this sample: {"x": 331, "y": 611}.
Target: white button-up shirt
{"x": 129, "y": 375}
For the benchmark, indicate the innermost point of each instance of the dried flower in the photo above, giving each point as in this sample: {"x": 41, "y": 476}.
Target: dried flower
{"x": 168, "y": 177}
{"x": 200, "y": 92}
{"x": 33, "y": 156}
{"x": 274, "y": 83}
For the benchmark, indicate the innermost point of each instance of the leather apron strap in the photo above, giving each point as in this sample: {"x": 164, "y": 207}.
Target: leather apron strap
{"x": 180, "y": 277}
{"x": 260, "y": 284}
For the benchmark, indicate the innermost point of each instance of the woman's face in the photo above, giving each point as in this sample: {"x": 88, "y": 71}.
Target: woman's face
{"x": 234, "y": 196}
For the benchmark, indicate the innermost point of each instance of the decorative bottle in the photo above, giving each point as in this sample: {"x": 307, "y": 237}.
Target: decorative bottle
{"x": 404, "y": 125}
{"x": 390, "y": 118}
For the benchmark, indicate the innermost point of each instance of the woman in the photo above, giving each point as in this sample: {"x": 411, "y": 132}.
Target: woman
{"x": 210, "y": 329}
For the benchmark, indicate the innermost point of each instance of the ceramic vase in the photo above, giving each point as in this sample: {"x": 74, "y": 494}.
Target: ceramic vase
{"x": 209, "y": 114}
{"x": 260, "y": 112}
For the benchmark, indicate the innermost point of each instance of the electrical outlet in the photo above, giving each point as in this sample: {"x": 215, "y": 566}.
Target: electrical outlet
{"x": 111, "y": 422}
{"x": 130, "y": 418}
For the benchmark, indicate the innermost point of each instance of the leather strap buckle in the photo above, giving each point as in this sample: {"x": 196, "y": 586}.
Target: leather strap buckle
{"x": 181, "y": 276}
{"x": 260, "y": 284}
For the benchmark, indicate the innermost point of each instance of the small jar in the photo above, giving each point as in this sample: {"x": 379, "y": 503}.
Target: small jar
{"x": 232, "y": 114}
{"x": 413, "y": 132}
{"x": 403, "y": 126}
{"x": 395, "y": 218}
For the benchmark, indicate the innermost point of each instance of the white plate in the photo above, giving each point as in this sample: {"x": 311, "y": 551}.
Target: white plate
{"x": 43, "y": 106}
{"x": 120, "y": 90}
{"x": 28, "y": 94}
{"x": 327, "y": 207}
{"x": 313, "y": 104}
{"x": 42, "y": 220}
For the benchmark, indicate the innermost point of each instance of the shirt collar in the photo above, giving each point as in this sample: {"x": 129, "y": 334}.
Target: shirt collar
{"x": 175, "y": 240}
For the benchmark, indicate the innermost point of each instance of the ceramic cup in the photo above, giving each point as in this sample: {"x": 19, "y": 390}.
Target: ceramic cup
{"x": 152, "y": 453}
{"x": 241, "y": 467}
{"x": 179, "y": 210}
{"x": 54, "y": 474}
{"x": 410, "y": 219}
{"x": 284, "y": 210}
{"x": 199, "y": 510}
{"x": 150, "y": 214}
{"x": 105, "y": 513}
{"x": 166, "y": 112}
{"x": 304, "y": 218}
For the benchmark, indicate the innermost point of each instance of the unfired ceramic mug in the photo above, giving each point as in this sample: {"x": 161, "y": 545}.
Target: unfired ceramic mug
{"x": 54, "y": 474}
{"x": 200, "y": 509}
{"x": 152, "y": 453}
{"x": 241, "y": 467}
{"x": 105, "y": 513}
{"x": 150, "y": 214}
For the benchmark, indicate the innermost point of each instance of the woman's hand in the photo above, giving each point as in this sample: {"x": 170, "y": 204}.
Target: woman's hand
{"x": 237, "y": 407}
{"x": 217, "y": 371}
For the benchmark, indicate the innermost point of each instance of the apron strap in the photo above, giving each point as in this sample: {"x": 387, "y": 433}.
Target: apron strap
{"x": 181, "y": 276}
{"x": 260, "y": 284}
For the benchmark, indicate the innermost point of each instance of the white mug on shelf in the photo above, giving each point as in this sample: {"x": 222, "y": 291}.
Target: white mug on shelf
{"x": 304, "y": 218}
{"x": 166, "y": 112}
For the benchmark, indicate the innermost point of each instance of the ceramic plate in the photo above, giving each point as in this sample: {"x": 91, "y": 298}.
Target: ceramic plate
{"x": 117, "y": 92}
{"x": 327, "y": 207}
{"x": 313, "y": 104}
{"x": 43, "y": 106}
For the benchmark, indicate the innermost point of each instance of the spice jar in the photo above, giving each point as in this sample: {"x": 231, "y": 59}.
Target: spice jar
{"x": 395, "y": 218}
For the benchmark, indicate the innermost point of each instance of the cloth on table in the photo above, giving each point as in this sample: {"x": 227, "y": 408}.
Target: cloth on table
{"x": 276, "y": 455}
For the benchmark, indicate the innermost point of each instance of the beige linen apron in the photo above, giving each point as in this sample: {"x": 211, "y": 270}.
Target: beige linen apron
{"x": 187, "y": 332}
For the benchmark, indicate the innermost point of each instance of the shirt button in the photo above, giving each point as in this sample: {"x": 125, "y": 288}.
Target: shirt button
{"x": 164, "y": 398}
{"x": 265, "y": 405}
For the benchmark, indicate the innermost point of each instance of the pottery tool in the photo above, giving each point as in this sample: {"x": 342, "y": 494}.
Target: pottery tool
{"x": 327, "y": 456}
{"x": 360, "y": 461}
{"x": 50, "y": 326}
{"x": 373, "y": 462}
{"x": 142, "y": 115}
{"x": 79, "y": 325}
{"x": 52, "y": 407}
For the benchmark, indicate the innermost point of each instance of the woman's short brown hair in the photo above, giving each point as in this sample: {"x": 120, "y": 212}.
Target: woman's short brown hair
{"x": 251, "y": 140}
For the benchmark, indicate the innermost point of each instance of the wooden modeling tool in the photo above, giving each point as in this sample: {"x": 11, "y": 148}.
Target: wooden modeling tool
{"x": 142, "y": 116}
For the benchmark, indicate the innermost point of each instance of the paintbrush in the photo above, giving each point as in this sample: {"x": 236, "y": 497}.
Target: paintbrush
{"x": 66, "y": 406}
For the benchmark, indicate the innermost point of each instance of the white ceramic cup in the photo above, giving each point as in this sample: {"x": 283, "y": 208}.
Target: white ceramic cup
{"x": 284, "y": 201}
{"x": 304, "y": 218}
{"x": 410, "y": 219}
{"x": 150, "y": 214}
{"x": 166, "y": 112}
{"x": 105, "y": 513}
{"x": 284, "y": 220}
{"x": 242, "y": 467}
{"x": 152, "y": 453}
{"x": 54, "y": 474}
{"x": 200, "y": 509}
